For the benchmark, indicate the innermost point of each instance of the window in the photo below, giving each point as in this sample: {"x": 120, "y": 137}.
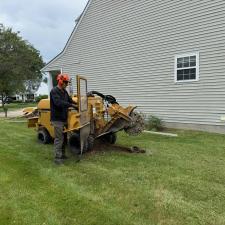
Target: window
{"x": 187, "y": 67}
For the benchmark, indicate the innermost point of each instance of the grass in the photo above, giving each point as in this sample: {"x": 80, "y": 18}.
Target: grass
{"x": 179, "y": 181}
{"x": 15, "y": 106}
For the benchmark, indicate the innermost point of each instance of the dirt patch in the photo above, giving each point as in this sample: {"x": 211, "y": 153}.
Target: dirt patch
{"x": 100, "y": 146}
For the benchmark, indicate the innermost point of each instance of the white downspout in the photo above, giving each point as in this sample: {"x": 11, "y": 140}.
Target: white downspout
{"x": 50, "y": 83}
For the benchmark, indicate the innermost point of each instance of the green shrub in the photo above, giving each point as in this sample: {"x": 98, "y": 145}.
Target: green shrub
{"x": 30, "y": 101}
{"x": 154, "y": 123}
{"x": 17, "y": 101}
{"x": 40, "y": 97}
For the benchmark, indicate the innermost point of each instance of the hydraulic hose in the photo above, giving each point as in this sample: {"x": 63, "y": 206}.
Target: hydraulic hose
{"x": 109, "y": 98}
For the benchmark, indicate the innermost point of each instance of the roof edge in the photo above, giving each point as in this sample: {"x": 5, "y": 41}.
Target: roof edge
{"x": 44, "y": 69}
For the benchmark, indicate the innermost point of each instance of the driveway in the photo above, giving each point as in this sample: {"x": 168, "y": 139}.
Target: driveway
{"x": 13, "y": 113}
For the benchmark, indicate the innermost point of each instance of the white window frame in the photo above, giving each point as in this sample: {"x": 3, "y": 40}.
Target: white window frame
{"x": 196, "y": 66}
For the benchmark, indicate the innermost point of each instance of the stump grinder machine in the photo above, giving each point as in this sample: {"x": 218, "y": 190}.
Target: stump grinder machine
{"x": 98, "y": 116}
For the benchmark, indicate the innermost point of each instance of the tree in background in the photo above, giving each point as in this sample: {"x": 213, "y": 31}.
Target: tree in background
{"x": 20, "y": 65}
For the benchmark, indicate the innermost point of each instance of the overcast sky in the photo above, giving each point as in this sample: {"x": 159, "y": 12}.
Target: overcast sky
{"x": 46, "y": 24}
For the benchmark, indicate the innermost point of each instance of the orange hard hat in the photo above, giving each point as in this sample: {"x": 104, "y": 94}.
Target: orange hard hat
{"x": 63, "y": 77}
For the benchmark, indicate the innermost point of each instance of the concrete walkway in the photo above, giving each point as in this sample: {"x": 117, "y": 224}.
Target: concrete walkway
{"x": 13, "y": 113}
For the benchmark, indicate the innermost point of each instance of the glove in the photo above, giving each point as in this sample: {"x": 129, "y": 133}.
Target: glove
{"x": 74, "y": 106}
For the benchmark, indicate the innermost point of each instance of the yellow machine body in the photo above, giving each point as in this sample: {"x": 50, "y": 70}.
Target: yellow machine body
{"x": 95, "y": 112}
{"x": 92, "y": 120}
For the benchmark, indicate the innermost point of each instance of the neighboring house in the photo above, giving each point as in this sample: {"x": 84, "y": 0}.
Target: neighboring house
{"x": 25, "y": 97}
{"x": 32, "y": 94}
{"x": 166, "y": 57}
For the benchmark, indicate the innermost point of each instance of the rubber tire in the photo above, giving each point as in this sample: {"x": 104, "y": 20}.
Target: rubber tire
{"x": 110, "y": 138}
{"x": 74, "y": 143}
{"x": 90, "y": 143}
{"x": 43, "y": 136}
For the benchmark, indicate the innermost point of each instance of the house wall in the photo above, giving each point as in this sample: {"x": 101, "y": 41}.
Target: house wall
{"x": 127, "y": 49}
{"x": 25, "y": 97}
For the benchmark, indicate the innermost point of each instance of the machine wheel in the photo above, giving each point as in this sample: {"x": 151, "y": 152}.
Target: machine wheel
{"x": 43, "y": 136}
{"x": 110, "y": 138}
{"x": 74, "y": 143}
{"x": 90, "y": 143}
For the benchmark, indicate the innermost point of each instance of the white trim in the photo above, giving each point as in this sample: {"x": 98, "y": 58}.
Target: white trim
{"x": 70, "y": 38}
{"x": 160, "y": 133}
{"x": 50, "y": 83}
{"x": 197, "y": 67}
{"x": 50, "y": 79}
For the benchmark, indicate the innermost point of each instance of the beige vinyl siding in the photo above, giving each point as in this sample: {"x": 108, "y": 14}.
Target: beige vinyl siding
{"x": 127, "y": 49}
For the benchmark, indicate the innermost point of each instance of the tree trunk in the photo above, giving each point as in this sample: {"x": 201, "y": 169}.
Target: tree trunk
{"x": 3, "y": 106}
{"x": 5, "y": 110}
{"x": 2, "y": 102}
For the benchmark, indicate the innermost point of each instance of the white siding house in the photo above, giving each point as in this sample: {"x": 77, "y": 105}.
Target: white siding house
{"x": 167, "y": 57}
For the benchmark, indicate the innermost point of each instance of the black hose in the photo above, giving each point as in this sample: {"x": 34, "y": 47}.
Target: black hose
{"x": 92, "y": 93}
{"x": 109, "y": 98}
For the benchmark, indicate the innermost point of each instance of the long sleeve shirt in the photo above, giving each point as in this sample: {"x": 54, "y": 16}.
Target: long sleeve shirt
{"x": 60, "y": 101}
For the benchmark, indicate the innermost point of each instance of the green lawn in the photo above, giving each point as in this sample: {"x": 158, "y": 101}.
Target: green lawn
{"x": 178, "y": 181}
{"x": 15, "y": 106}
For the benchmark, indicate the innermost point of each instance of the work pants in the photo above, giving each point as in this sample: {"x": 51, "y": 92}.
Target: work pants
{"x": 60, "y": 139}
